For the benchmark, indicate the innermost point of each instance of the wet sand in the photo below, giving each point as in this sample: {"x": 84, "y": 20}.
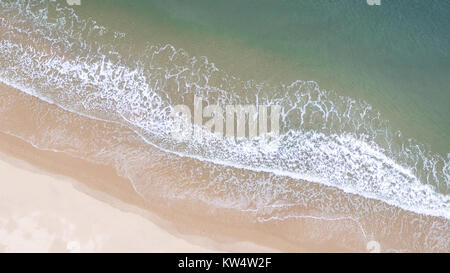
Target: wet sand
{"x": 78, "y": 182}
{"x": 52, "y": 212}
{"x": 43, "y": 213}
{"x": 185, "y": 225}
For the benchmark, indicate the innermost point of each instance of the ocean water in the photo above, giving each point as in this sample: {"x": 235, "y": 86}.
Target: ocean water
{"x": 363, "y": 90}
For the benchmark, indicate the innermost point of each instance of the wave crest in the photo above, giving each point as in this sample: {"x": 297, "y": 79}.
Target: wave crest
{"x": 325, "y": 138}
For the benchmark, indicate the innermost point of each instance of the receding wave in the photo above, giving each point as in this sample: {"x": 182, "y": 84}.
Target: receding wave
{"x": 49, "y": 52}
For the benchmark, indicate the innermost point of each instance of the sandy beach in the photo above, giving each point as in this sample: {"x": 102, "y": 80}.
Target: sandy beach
{"x": 43, "y": 212}
{"x": 53, "y": 202}
{"x": 101, "y": 182}
{"x": 92, "y": 202}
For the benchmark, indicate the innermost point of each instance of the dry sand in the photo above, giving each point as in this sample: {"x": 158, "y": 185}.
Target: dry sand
{"x": 50, "y": 201}
{"x": 41, "y": 212}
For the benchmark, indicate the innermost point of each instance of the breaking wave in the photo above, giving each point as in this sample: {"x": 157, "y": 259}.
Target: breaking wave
{"x": 49, "y": 52}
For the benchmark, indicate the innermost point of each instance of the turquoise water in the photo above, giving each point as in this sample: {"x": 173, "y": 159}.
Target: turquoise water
{"x": 395, "y": 56}
{"x": 363, "y": 91}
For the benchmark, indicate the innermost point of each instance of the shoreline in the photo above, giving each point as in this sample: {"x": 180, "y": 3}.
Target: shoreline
{"x": 116, "y": 195}
{"x": 64, "y": 218}
{"x": 102, "y": 182}
{"x": 220, "y": 229}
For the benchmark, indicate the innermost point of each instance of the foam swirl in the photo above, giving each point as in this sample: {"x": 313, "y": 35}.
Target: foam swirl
{"x": 47, "y": 51}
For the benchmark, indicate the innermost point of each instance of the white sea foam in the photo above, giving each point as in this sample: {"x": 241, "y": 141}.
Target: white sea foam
{"x": 325, "y": 138}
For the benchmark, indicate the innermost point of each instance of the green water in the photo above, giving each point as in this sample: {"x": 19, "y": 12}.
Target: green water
{"x": 395, "y": 56}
